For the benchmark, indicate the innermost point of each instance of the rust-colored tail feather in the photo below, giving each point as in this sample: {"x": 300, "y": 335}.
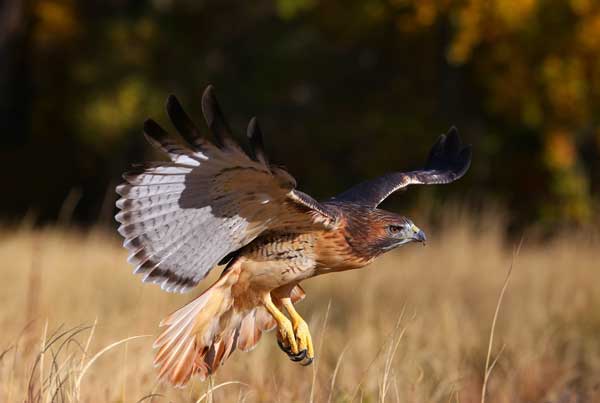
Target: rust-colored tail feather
{"x": 200, "y": 336}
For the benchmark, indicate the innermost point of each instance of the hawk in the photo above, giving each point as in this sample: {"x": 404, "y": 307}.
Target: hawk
{"x": 213, "y": 204}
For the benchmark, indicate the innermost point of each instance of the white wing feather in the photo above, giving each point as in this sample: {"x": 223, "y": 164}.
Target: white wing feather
{"x": 180, "y": 218}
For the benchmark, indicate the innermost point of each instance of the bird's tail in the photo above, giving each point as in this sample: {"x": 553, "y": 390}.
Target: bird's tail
{"x": 200, "y": 336}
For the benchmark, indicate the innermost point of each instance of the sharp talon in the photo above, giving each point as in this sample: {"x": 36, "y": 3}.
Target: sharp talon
{"x": 298, "y": 357}
{"x": 283, "y": 347}
{"x": 308, "y": 362}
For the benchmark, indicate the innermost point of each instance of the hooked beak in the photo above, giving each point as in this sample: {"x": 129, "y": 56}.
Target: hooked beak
{"x": 419, "y": 235}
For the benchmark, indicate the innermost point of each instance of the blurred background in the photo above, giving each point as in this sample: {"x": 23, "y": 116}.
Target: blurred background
{"x": 344, "y": 90}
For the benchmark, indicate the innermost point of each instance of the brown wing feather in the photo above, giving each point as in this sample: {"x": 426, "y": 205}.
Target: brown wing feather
{"x": 448, "y": 161}
{"x": 180, "y": 218}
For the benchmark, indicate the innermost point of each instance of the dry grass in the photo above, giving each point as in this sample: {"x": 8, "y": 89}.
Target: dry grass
{"x": 413, "y": 327}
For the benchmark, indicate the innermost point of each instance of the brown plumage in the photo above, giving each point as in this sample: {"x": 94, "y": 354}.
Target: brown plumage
{"x": 213, "y": 204}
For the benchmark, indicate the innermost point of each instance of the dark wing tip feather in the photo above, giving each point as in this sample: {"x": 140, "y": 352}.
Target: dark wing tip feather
{"x": 452, "y": 144}
{"x": 182, "y": 122}
{"x": 209, "y": 91}
{"x": 214, "y": 117}
{"x": 449, "y": 154}
{"x": 155, "y": 131}
{"x": 172, "y": 100}
{"x": 255, "y": 136}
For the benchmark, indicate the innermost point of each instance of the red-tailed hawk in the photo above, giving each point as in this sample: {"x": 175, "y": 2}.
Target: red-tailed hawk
{"x": 214, "y": 204}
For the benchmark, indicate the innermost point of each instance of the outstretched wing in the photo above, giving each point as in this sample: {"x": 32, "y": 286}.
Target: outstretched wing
{"x": 180, "y": 218}
{"x": 448, "y": 161}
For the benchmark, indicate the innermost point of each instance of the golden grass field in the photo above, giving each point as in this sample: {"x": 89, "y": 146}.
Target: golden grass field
{"x": 412, "y": 327}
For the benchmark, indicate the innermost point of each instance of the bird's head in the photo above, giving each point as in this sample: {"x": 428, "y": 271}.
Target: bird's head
{"x": 372, "y": 232}
{"x": 392, "y": 230}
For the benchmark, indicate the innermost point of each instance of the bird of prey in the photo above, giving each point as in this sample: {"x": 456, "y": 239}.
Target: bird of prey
{"x": 213, "y": 204}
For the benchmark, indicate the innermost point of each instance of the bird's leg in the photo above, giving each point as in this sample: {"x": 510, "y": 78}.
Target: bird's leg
{"x": 284, "y": 326}
{"x": 303, "y": 337}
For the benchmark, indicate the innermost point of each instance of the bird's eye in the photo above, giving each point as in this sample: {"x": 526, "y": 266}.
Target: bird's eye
{"x": 394, "y": 229}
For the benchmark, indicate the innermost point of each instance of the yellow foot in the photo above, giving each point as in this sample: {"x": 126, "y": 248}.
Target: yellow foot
{"x": 285, "y": 334}
{"x": 306, "y": 349}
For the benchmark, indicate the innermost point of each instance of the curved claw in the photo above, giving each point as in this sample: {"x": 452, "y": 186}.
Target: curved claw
{"x": 294, "y": 357}
{"x": 298, "y": 357}
{"x": 283, "y": 347}
{"x": 309, "y": 361}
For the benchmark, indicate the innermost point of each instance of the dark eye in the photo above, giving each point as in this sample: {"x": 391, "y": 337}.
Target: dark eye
{"x": 394, "y": 229}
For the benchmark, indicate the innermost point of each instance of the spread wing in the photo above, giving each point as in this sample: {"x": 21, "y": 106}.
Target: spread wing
{"x": 180, "y": 218}
{"x": 448, "y": 161}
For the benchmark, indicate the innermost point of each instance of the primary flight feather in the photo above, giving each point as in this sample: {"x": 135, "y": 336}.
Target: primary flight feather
{"x": 213, "y": 204}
